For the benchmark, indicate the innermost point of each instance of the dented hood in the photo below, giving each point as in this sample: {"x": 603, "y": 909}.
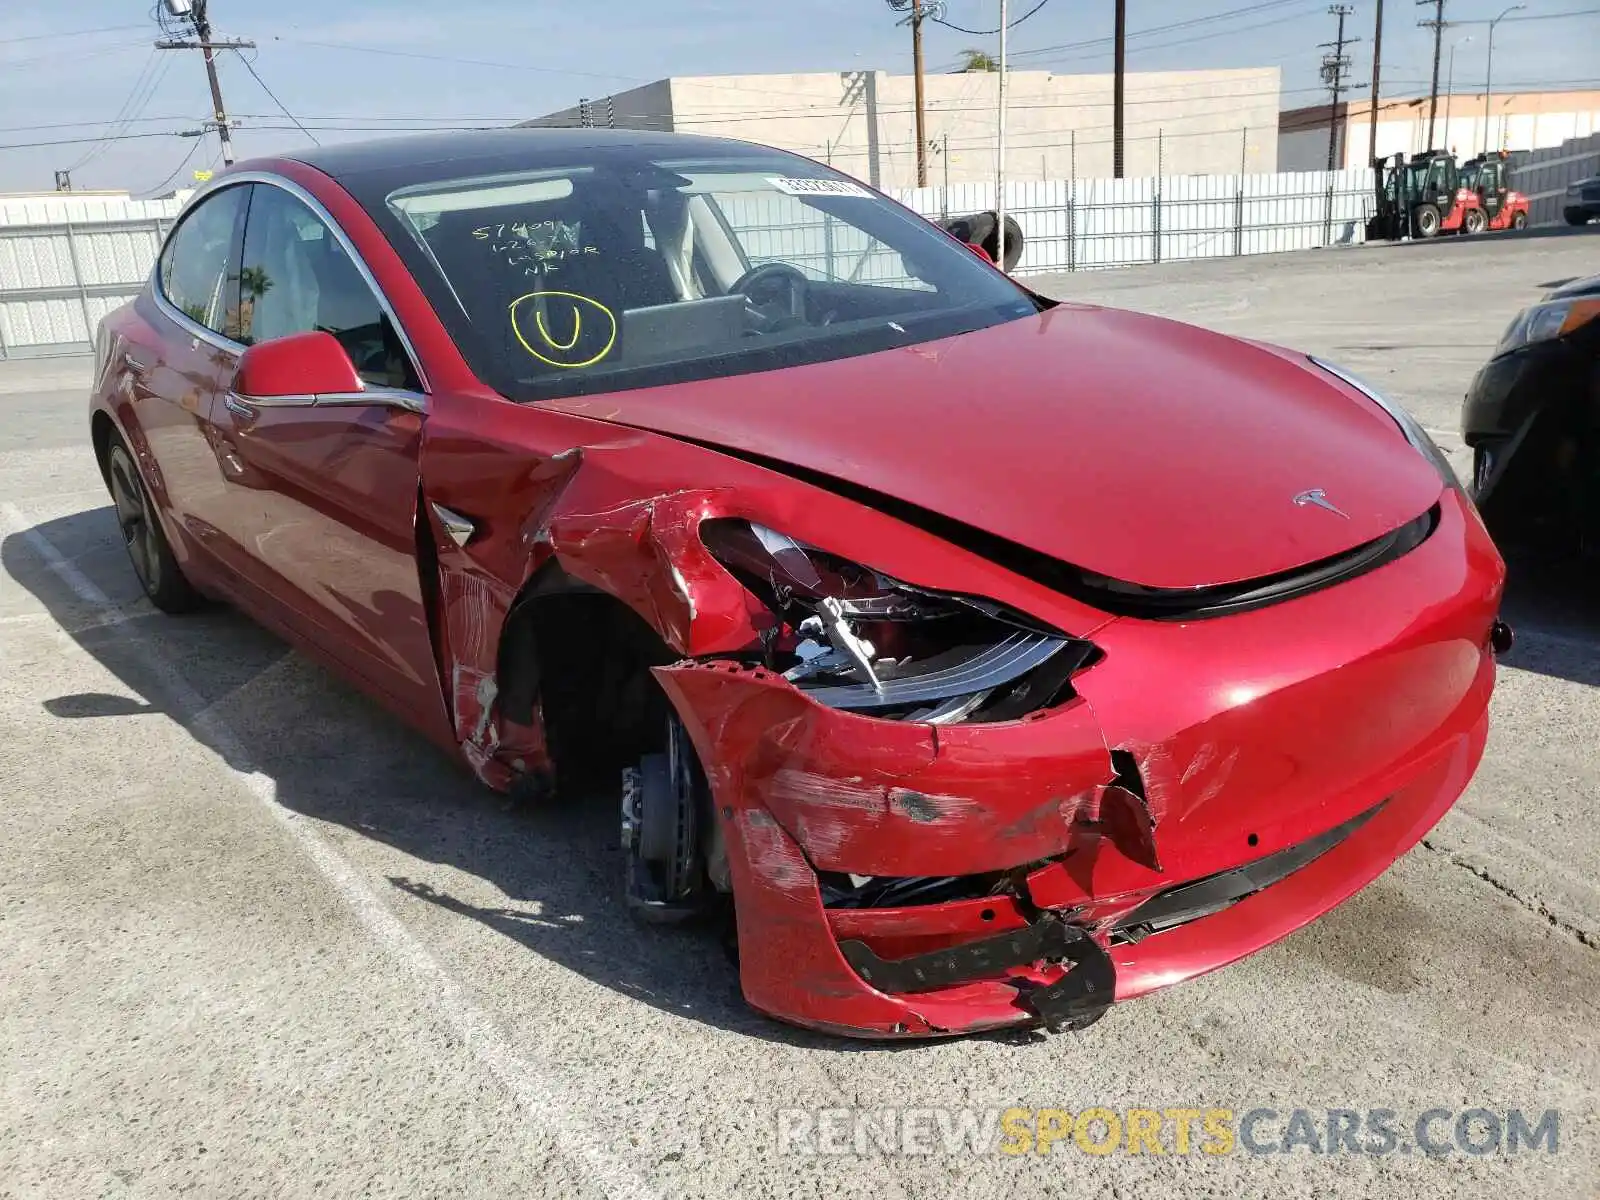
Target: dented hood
{"x": 1142, "y": 449}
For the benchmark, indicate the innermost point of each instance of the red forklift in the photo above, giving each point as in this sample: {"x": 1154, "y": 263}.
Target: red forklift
{"x": 1503, "y": 208}
{"x": 1421, "y": 197}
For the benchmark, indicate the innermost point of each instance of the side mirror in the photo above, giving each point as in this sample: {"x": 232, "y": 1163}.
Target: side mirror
{"x": 299, "y": 366}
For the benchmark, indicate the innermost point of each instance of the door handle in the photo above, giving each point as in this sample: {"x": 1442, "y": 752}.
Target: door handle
{"x": 134, "y": 365}
{"x": 237, "y": 406}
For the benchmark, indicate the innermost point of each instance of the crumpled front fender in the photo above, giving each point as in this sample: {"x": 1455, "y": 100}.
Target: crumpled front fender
{"x": 876, "y": 797}
{"x": 799, "y": 788}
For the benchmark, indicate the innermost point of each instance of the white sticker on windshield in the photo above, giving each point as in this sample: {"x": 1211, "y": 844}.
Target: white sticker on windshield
{"x": 820, "y": 187}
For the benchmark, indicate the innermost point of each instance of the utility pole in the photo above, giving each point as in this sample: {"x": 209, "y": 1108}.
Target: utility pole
{"x": 916, "y": 66}
{"x": 1335, "y": 67}
{"x": 1438, "y": 26}
{"x": 1377, "y": 65}
{"x": 1120, "y": 59}
{"x": 917, "y": 11}
{"x": 194, "y": 12}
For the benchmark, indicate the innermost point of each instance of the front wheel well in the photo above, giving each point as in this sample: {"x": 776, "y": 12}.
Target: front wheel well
{"x": 577, "y": 660}
{"x": 101, "y": 430}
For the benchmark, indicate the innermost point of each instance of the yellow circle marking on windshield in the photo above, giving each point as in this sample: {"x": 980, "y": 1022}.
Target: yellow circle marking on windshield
{"x": 577, "y": 328}
{"x": 553, "y": 352}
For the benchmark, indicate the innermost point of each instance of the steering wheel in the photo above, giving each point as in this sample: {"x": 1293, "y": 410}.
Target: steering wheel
{"x": 770, "y": 285}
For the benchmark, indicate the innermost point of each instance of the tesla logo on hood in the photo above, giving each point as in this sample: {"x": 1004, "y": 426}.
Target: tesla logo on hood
{"x": 1319, "y": 498}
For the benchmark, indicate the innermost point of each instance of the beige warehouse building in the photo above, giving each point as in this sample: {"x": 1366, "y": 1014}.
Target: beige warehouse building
{"x": 863, "y": 122}
{"x": 1463, "y": 122}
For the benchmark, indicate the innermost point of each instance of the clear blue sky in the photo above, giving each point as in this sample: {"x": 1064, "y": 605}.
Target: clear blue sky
{"x": 58, "y": 84}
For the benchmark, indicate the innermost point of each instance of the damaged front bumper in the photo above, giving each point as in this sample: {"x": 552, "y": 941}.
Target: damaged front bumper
{"x": 1286, "y": 757}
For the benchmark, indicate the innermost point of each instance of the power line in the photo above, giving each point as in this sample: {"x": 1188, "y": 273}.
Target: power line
{"x": 1560, "y": 16}
{"x": 137, "y": 103}
{"x": 1183, "y": 41}
{"x": 118, "y": 48}
{"x": 82, "y": 124}
{"x": 176, "y": 171}
{"x": 248, "y": 66}
{"x": 990, "y": 32}
{"x": 83, "y": 141}
{"x": 146, "y": 70}
{"x": 39, "y": 37}
{"x": 1167, "y": 28}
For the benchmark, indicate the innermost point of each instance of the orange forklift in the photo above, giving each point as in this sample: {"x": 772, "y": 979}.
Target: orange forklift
{"x": 1427, "y": 195}
{"x": 1503, "y": 207}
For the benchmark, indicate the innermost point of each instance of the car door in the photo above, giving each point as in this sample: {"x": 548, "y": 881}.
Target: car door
{"x": 179, "y": 356}
{"x": 322, "y": 490}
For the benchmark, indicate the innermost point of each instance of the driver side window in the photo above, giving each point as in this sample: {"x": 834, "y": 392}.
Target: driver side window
{"x": 296, "y": 277}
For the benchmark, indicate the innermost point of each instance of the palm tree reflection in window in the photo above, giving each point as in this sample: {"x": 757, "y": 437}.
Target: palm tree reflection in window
{"x": 254, "y": 283}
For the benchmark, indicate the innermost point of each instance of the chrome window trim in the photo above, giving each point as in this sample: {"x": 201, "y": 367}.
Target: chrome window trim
{"x": 382, "y": 397}
{"x": 322, "y": 214}
{"x": 180, "y": 318}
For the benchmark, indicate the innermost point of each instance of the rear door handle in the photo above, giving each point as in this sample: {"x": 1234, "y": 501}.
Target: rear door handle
{"x": 134, "y": 365}
{"x": 237, "y": 406}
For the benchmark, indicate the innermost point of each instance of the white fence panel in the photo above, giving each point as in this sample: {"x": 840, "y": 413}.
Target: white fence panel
{"x": 65, "y": 261}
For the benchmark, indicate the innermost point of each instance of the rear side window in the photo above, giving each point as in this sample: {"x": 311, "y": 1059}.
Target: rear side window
{"x": 199, "y": 268}
{"x": 297, "y": 277}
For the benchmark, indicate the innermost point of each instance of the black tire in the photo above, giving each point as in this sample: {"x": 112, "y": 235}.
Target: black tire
{"x": 1576, "y": 216}
{"x": 1474, "y": 222}
{"x": 153, "y": 562}
{"x": 1425, "y": 220}
{"x": 1520, "y": 221}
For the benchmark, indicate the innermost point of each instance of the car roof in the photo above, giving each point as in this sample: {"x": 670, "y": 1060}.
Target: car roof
{"x": 481, "y": 151}
{"x": 371, "y": 171}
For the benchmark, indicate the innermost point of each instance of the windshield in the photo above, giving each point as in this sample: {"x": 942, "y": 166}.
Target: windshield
{"x": 639, "y": 271}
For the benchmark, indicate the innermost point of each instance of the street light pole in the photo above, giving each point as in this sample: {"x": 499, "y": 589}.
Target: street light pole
{"x": 1488, "y": 77}
{"x": 1449, "y": 86}
{"x": 1000, "y": 173}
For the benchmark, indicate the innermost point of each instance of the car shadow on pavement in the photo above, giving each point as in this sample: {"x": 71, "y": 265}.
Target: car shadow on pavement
{"x": 1554, "y": 610}
{"x": 548, "y": 877}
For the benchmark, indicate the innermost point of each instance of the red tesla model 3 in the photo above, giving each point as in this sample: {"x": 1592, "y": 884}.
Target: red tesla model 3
{"x": 993, "y": 658}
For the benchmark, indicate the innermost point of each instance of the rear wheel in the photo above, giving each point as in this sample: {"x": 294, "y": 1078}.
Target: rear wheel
{"x": 148, "y": 549}
{"x": 1576, "y": 216}
{"x": 1475, "y": 221}
{"x": 1425, "y": 219}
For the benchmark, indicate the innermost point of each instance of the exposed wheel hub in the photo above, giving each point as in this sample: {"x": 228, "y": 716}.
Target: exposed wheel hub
{"x": 665, "y": 808}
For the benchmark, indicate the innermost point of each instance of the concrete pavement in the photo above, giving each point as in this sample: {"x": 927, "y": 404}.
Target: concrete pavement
{"x": 257, "y": 939}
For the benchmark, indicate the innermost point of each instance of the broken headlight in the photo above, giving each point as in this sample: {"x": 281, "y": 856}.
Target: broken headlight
{"x": 854, "y": 638}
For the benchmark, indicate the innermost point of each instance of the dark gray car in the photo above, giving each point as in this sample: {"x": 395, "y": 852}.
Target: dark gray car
{"x": 1582, "y": 201}
{"x": 1532, "y": 419}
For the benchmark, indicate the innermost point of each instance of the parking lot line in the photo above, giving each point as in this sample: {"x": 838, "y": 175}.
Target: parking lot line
{"x": 546, "y": 1098}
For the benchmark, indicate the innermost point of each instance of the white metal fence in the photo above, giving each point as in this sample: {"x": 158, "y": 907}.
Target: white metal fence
{"x": 1083, "y": 224}
{"x": 65, "y": 262}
